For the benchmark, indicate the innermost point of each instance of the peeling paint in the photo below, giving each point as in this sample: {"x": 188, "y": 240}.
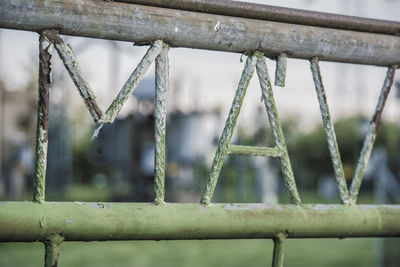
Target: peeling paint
{"x": 216, "y": 27}
{"x": 45, "y": 55}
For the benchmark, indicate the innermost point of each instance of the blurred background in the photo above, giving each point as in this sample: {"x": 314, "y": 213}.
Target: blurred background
{"x": 118, "y": 164}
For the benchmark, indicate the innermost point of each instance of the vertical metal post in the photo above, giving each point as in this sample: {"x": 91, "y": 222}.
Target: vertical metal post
{"x": 279, "y": 250}
{"x": 160, "y": 113}
{"x": 371, "y": 135}
{"x": 330, "y": 132}
{"x": 279, "y": 139}
{"x": 52, "y": 244}
{"x": 71, "y": 64}
{"x": 280, "y": 71}
{"x": 45, "y": 53}
{"x": 226, "y": 136}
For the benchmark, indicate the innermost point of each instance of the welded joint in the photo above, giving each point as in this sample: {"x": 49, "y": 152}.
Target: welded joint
{"x": 52, "y": 243}
{"x": 280, "y": 70}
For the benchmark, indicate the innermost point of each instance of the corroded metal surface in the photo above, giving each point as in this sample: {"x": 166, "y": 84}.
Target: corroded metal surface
{"x": 80, "y": 221}
{"x": 225, "y": 139}
{"x": 274, "y": 13}
{"x": 162, "y": 83}
{"x": 280, "y": 71}
{"x": 255, "y": 151}
{"x": 330, "y": 133}
{"x": 146, "y": 24}
{"x": 71, "y": 64}
{"x": 279, "y": 139}
{"x": 371, "y": 135}
{"x": 42, "y": 130}
{"x": 52, "y": 243}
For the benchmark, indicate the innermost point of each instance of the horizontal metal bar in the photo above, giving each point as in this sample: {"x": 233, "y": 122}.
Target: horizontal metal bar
{"x": 145, "y": 24}
{"x": 279, "y": 14}
{"x": 79, "y": 221}
{"x": 254, "y": 151}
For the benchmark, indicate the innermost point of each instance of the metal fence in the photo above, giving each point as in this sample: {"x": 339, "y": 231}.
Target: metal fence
{"x": 256, "y": 30}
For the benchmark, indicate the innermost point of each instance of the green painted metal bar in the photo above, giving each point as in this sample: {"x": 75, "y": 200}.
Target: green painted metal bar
{"x": 371, "y": 135}
{"x": 52, "y": 244}
{"x": 330, "y": 133}
{"x": 71, "y": 64}
{"x": 280, "y": 71}
{"x": 42, "y": 130}
{"x": 160, "y": 114}
{"x": 77, "y": 221}
{"x": 254, "y": 151}
{"x": 279, "y": 139}
{"x": 279, "y": 250}
{"x": 226, "y": 136}
{"x": 132, "y": 82}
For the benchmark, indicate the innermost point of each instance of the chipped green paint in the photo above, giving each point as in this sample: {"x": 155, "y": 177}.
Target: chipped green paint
{"x": 132, "y": 82}
{"x": 71, "y": 64}
{"x": 52, "y": 243}
{"x": 279, "y": 139}
{"x": 255, "y": 151}
{"x": 279, "y": 250}
{"x": 330, "y": 133}
{"x": 79, "y": 221}
{"x": 371, "y": 135}
{"x": 45, "y": 54}
{"x": 280, "y": 71}
{"x": 224, "y": 141}
{"x": 160, "y": 113}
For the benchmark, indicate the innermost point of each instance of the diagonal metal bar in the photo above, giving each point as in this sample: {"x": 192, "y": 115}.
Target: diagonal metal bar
{"x": 45, "y": 55}
{"x": 254, "y": 151}
{"x": 330, "y": 132}
{"x": 71, "y": 64}
{"x": 52, "y": 244}
{"x": 279, "y": 139}
{"x": 162, "y": 84}
{"x": 371, "y": 135}
{"x": 132, "y": 82}
{"x": 226, "y": 136}
{"x": 279, "y": 250}
{"x": 280, "y": 71}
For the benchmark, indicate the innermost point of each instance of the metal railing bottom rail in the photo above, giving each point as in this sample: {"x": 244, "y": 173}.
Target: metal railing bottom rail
{"x": 101, "y": 221}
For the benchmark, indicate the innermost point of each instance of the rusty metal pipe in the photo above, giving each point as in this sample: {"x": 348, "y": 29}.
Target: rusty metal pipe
{"x": 179, "y": 28}
{"x": 278, "y": 14}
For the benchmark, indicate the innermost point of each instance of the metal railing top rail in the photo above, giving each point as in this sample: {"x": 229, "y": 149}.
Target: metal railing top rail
{"x": 181, "y": 28}
{"x": 278, "y": 14}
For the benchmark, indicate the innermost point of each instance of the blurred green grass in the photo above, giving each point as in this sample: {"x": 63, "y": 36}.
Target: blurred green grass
{"x": 299, "y": 252}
